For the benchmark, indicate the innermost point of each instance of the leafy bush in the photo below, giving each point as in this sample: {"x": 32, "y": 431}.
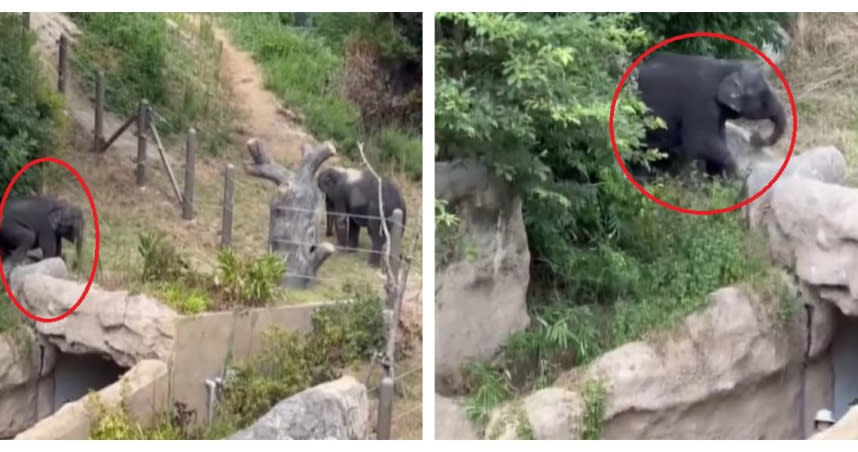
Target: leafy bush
{"x": 248, "y": 282}
{"x": 115, "y": 423}
{"x": 29, "y": 110}
{"x": 186, "y": 300}
{"x": 753, "y": 28}
{"x": 162, "y": 261}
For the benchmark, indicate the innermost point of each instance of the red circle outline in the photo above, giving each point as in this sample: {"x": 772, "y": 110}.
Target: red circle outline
{"x": 679, "y": 38}
{"x": 95, "y": 226}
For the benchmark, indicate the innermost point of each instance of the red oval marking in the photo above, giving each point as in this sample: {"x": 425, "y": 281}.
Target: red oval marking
{"x": 701, "y": 34}
{"x": 95, "y": 226}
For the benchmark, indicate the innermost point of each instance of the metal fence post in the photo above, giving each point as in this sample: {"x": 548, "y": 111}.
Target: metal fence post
{"x": 190, "y": 163}
{"x": 226, "y": 228}
{"x": 98, "y": 130}
{"x": 142, "y": 127}
{"x": 62, "y": 64}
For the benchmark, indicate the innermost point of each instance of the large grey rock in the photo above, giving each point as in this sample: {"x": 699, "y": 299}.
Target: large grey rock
{"x": 813, "y": 231}
{"x": 705, "y": 379}
{"x": 127, "y": 328}
{"x": 335, "y": 410}
{"x": 744, "y": 153}
{"x": 450, "y": 420}
{"x": 480, "y": 294}
{"x": 23, "y": 363}
{"x": 824, "y": 163}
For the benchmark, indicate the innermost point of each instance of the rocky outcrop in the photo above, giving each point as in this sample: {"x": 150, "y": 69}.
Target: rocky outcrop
{"x": 335, "y": 410}
{"x": 127, "y": 328}
{"x": 23, "y": 365}
{"x": 480, "y": 290}
{"x": 450, "y": 420}
{"x": 706, "y": 379}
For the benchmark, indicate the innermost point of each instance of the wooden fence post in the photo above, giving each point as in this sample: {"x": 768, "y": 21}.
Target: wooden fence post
{"x": 226, "y": 228}
{"x": 142, "y": 127}
{"x": 385, "y": 409}
{"x": 190, "y": 163}
{"x": 62, "y": 64}
{"x": 25, "y": 20}
{"x": 98, "y": 131}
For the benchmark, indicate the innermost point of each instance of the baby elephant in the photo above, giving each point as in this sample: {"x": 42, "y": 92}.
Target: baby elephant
{"x": 34, "y": 222}
{"x": 351, "y": 199}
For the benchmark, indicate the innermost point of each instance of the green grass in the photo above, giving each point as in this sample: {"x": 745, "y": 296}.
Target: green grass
{"x": 143, "y": 58}
{"x": 305, "y": 68}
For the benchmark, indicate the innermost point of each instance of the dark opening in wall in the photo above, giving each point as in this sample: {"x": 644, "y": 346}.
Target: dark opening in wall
{"x": 76, "y": 375}
{"x": 844, "y": 354}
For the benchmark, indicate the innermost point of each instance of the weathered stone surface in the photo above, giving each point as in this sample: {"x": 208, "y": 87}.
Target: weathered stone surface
{"x": 335, "y": 410}
{"x": 824, "y": 163}
{"x": 450, "y": 420}
{"x": 706, "y": 379}
{"x": 480, "y": 295}
{"x": 813, "y": 231}
{"x": 127, "y": 328}
{"x": 744, "y": 153}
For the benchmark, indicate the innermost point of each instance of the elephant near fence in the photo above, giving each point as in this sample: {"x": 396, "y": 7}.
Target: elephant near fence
{"x": 696, "y": 95}
{"x": 352, "y": 202}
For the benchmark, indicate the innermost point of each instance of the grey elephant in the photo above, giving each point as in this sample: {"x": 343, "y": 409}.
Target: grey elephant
{"x": 351, "y": 199}
{"x": 38, "y": 223}
{"x": 695, "y": 96}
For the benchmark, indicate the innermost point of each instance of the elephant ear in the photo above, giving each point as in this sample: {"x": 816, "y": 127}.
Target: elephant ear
{"x": 730, "y": 91}
{"x": 55, "y": 217}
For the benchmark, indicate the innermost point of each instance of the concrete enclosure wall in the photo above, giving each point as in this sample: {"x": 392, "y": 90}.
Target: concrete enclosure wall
{"x": 204, "y": 346}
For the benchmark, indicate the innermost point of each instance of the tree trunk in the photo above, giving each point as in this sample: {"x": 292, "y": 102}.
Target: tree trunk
{"x": 296, "y": 211}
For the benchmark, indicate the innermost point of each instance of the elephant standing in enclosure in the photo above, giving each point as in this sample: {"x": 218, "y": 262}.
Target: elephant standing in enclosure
{"x": 696, "y": 95}
{"x": 351, "y": 199}
{"x": 33, "y": 222}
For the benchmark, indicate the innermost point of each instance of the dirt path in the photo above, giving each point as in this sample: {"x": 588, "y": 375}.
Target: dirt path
{"x": 259, "y": 108}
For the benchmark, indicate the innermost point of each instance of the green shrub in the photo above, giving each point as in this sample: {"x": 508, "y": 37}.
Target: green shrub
{"x": 184, "y": 299}
{"x": 402, "y": 150}
{"x": 249, "y": 282}
{"x": 29, "y": 110}
{"x": 162, "y": 262}
{"x": 115, "y": 423}
{"x": 593, "y": 395}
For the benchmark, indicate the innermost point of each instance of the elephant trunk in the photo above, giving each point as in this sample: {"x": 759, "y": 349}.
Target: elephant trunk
{"x": 778, "y": 118}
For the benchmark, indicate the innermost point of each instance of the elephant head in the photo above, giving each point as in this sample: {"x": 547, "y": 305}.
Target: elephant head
{"x": 67, "y": 221}
{"x": 746, "y": 94}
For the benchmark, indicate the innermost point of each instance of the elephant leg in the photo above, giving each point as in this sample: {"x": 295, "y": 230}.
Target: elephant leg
{"x": 353, "y": 236}
{"x": 341, "y": 228}
{"x": 376, "y": 236}
{"x": 330, "y": 217}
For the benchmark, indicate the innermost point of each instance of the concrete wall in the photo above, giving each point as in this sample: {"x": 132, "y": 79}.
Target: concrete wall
{"x": 206, "y": 343}
{"x": 144, "y": 388}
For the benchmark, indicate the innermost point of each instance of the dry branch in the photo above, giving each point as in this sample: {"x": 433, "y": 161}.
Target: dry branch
{"x": 296, "y": 211}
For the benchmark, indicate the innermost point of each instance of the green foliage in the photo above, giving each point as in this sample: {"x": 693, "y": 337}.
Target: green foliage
{"x": 184, "y": 299}
{"x": 487, "y": 388}
{"x": 753, "y": 28}
{"x": 29, "y": 110}
{"x": 249, "y": 282}
{"x": 115, "y": 423}
{"x": 142, "y": 58}
{"x": 289, "y": 363}
{"x": 162, "y": 262}
{"x": 10, "y": 317}
{"x": 593, "y": 395}
{"x": 306, "y": 68}
{"x": 446, "y": 233}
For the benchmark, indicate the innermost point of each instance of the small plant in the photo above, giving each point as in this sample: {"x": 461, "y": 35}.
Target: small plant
{"x": 488, "y": 388}
{"x": 184, "y": 299}
{"x": 446, "y": 232}
{"x": 593, "y": 394}
{"x": 248, "y": 282}
{"x": 115, "y": 423}
{"x": 161, "y": 261}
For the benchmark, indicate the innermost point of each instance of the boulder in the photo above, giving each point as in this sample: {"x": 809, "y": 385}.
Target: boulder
{"x": 824, "y": 163}
{"x": 335, "y": 410}
{"x": 450, "y": 420}
{"x": 813, "y": 232}
{"x": 23, "y": 364}
{"x": 127, "y": 328}
{"x": 744, "y": 153}
{"x": 705, "y": 379}
{"x": 481, "y": 292}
